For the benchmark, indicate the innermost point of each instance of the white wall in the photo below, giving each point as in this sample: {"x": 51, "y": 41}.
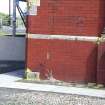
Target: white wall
{"x": 12, "y": 48}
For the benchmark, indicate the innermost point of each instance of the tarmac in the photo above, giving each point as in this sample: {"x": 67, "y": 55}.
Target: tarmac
{"x": 10, "y": 80}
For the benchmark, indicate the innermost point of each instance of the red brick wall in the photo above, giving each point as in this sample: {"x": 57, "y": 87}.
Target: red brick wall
{"x": 102, "y": 15}
{"x": 68, "y": 60}
{"x": 101, "y": 64}
{"x": 75, "y": 17}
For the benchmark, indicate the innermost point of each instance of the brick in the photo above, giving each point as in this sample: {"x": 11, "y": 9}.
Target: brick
{"x": 68, "y": 60}
{"x": 69, "y": 17}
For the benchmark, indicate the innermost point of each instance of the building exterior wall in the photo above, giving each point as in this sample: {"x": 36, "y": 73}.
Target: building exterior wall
{"x": 67, "y": 60}
{"x": 69, "y": 17}
{"x": 102, "y": 14}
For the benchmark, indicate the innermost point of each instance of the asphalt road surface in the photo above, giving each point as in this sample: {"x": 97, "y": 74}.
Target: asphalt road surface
{"x": 25, "y": 97}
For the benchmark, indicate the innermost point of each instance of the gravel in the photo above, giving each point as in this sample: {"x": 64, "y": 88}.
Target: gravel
{"x": 24, "y": 97}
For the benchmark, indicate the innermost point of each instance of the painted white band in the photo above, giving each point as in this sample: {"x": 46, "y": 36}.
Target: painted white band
{"x": 64, "y": 37}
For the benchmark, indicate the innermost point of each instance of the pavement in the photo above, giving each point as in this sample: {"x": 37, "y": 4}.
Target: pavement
{"x": 9, "y": 80}
{"x": 11, "y": 77}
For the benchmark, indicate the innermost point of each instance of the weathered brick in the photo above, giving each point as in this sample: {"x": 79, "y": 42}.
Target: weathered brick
{"x": 68, "y": 60}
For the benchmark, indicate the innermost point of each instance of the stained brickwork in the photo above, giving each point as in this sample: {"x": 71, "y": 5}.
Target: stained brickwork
{"x": 67, "y": 60}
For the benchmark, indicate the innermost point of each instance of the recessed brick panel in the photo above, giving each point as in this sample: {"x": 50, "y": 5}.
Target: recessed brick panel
{"x": 67, "y": 60}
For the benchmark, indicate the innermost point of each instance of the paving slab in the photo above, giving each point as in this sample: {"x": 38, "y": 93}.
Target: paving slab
{"x": 9, "y": 80}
